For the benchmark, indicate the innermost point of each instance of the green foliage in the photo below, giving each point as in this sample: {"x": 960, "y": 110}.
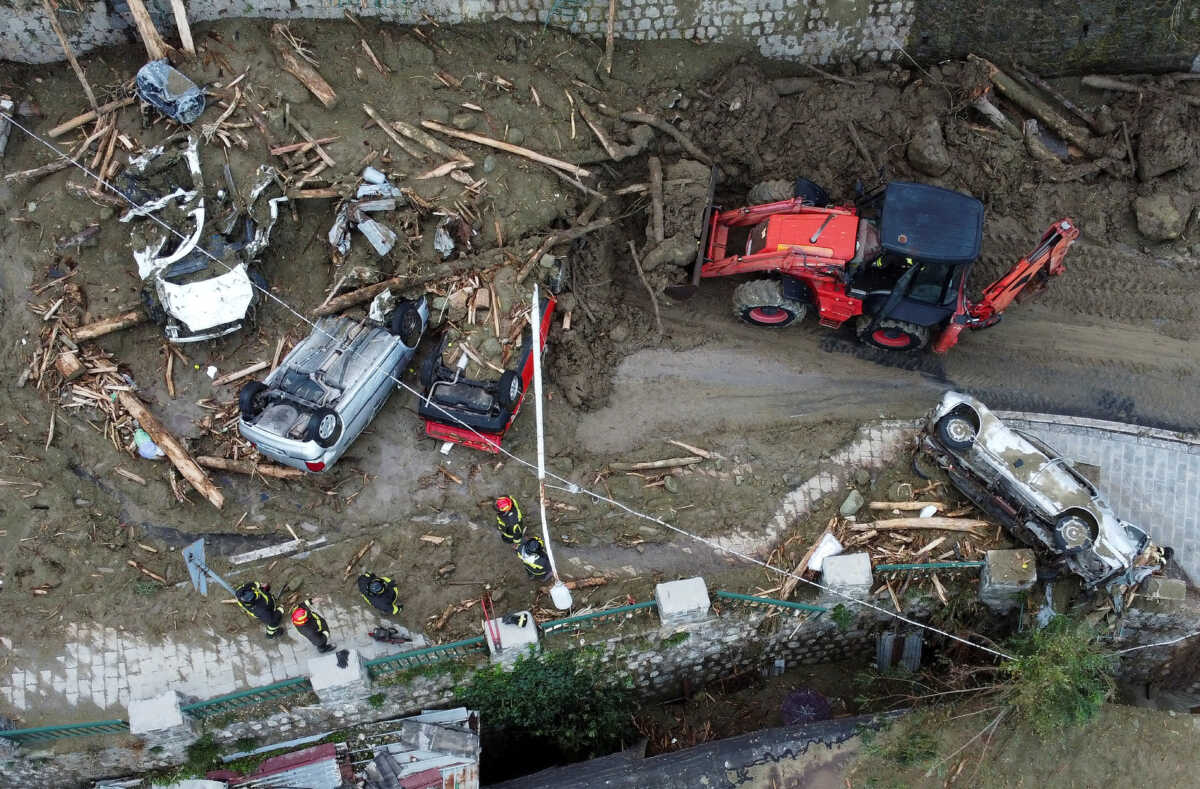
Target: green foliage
{"x": 1060, "y": 677}
{"x": 906, "y": 746}
{"x": 246, "y": 743}
{"x": 568, "y": 697}
{"x": 376, "y": 700}
{"x": 202, "y": 755}
{"x": 842, "y": 616}
{"x": 675, "y": 639}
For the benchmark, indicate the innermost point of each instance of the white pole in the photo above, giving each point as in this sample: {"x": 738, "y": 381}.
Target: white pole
{"x": 559, "y": 593}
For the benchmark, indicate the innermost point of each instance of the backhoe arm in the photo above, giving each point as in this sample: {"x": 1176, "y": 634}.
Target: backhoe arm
{"x": 1032, "y": 271}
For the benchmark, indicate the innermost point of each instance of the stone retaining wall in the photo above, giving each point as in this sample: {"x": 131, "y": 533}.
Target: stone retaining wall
{"x": 1050, "y": 36}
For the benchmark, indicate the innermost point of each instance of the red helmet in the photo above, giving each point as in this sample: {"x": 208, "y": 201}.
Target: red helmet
{"x": 504, "y": 504}
{"x": 299, "y": 616}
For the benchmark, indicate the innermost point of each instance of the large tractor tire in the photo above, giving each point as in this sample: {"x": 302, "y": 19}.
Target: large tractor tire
{"x": 892, "y": 335}
{"x": 770, "y": 192}
{"x": 761, "y": 303}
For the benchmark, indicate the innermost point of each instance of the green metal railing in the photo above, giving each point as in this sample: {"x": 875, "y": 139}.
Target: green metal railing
{"x": 914, "y": 568}
{"x": 596, "y": 617}
{"x": 42, "y": 734}
{"x": 391, "y": 664}
{"x": 244, "y": 698}
{"x": 769, "y": 602}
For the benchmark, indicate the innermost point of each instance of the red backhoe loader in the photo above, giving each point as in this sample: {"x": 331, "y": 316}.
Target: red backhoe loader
{"x": 896, "y": 262}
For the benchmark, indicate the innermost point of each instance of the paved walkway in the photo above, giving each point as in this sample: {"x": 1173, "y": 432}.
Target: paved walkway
{"x": 1151, "y": 477}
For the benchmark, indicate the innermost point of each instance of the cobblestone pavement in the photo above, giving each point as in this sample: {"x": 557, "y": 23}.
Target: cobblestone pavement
{"x": 1150, "y": 477}
{"x": 103, "y": 668}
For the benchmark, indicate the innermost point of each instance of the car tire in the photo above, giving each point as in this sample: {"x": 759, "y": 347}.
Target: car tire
{"x": 249, "y": 405}
{"x": 1074, "y": 532}
{"x": 508, "y": 391}
{"x": 769, "y": 192}
{"x": 809, "y": 193}
{"x": 761, "y": 303}
{"x": 406, "y": 324}
{"x": 428, "y": 369}
{"x": 956, "y": 431}
{"x": 324, "y": 427}
{"x": 892, "y": 335}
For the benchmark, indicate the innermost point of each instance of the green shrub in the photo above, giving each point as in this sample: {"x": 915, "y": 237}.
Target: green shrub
{"x": 1060, "y": 676}
{"x": 568, "y": 697}
{"x": 376, "y": 700}
{"x": 842, "y": 616}
{"x": 675, "y": 639}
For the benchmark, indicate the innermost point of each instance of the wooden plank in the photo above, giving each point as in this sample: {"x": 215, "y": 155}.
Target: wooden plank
{"x": 175, "y": 451}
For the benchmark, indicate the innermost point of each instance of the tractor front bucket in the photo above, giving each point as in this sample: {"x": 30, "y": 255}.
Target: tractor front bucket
{"x": 684, "y": 291}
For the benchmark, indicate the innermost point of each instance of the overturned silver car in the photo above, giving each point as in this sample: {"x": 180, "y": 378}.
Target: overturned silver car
{"x": 1037, "y": 494}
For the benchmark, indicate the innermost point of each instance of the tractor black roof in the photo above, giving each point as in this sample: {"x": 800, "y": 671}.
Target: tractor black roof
{"x": 930, "y": 223}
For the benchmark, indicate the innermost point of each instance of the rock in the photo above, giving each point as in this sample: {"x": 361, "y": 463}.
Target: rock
{"x": 641, "y": 135}
{"x": 671, "y": 484}
{"x": 436, "y": 112}
{"x": 619, "y": 333}
{"x": 566, "y": 302}
{"x": 464, "y": 121}
{"x": 516, "y": 136}
{"x": 1165, "y": 142}
{"x": 862, "y": 477}
{"x": 678, "y": 250}
{"x": 498, "y": 596}
{"x": 852, "y": 504}
{"x": 1162, "y": 216}
{"x": 445, "y": 569}
{"x": 927, "y": 150}
{"x": 489, "y": 163}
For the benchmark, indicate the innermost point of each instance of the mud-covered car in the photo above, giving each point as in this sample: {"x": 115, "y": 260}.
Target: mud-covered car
{"x": 312, "y": 407}
{"x": 1037, "y": 494}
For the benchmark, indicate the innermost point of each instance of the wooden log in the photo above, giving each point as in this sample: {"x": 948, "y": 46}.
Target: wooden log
{"x": 90, "y": 331}
{"x": 656, "y": 464}
{"x": 145, "y": 571}
{"x": 405, "y": 146}
{"x": 37, "y": 173}
{"x": 861, "y": 147}
{"x": 240, "y": 374}
{"x": 52, "y": 15}
{"x": 558, "y": 164}
{"x": 89, "y": 116}
{"x": 97, "y": 196}
{"x": 560, "y": 237}
{"x": 280, "y": 150}
{"x": 69, "y": 366}
{"x": 905, "y": 506}
{"x": 175, "y": 451}
{"x": 301, "y": 69}
{"x": 608, "y": 36}
{"x": 1070, "y": 106}
{"x": 1109, "y": 83}
{"x": 357, "y": 558}
{"x": 656, "y": 199}
{"x": 181, "y": 24}
{"x": 404, "y": 282}
{"x": 661, "y": 125}
{"x": 303, "y": 132}
{"x": 435, "y": 145}
{"x": 789, "y": 585}
{"x": 637, "y": 265}
{"x": 995, "y": 116}
{"x": 1043, "y": 111}
{"x": 314, "y": 194}
{"x": 250, "y": 468}
{"x": 970, "y": 525}
{"x": 156, "y": 48}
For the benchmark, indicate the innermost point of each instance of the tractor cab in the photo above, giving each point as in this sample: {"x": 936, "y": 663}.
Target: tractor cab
{"x": 928, "y": 237}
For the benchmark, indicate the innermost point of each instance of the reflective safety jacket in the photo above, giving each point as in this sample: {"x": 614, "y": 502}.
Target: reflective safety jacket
{"x": 387, "y": 601}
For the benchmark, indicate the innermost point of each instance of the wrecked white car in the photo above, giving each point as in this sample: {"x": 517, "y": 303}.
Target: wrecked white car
{"x": 196, "y": 288}
{"x": 1037, "y": 494}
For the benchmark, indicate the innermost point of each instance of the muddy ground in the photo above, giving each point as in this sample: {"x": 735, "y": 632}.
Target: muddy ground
{"x": 1114, "y": 338}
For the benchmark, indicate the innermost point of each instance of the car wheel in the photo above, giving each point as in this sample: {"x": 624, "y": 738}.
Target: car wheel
{"x": 892, "y": 335}
{"x": 769, "y": 192}
{"x": 508, "y": 392}
{"x": 956, "y": 431}
{"x": 810, "y": 193}
{"x": 250, "y": 404}
{"x": 428, "y": 368}
{"x": 324, "y": 427}
{"x": 406, "y": 324}
{"x": 1074, "y": 532}
{"x": 762, "y": 303}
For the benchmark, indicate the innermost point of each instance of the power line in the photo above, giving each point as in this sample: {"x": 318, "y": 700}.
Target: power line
{"x": 570, "y": 486}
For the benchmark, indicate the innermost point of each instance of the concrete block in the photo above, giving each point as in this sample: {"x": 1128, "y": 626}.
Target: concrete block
{"x": 681, "y": 602}
{"x": 848, "y": 573}
{"x": 335, "y": 684}
{"x": 517, "y": 638}
{"x": 1006, "y": 577}
{"x": 156, "y": 714}
{"x": 1161, "y": 595}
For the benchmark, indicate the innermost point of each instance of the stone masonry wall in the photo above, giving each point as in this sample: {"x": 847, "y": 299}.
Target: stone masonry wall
{"x": 1049, "y": 36}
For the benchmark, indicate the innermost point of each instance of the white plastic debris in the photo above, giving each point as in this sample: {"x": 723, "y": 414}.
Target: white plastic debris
{"x": 146, "y": 447}
{"x": 382, "y": 237}
{"x": 828, "y": 546}
{"x": 382, "y": 305}
{"x": 928, "y": 511}
{"x": 373, "y": 176}
{"x": 212, "y": 371}
{"x": 442, "y": 241}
